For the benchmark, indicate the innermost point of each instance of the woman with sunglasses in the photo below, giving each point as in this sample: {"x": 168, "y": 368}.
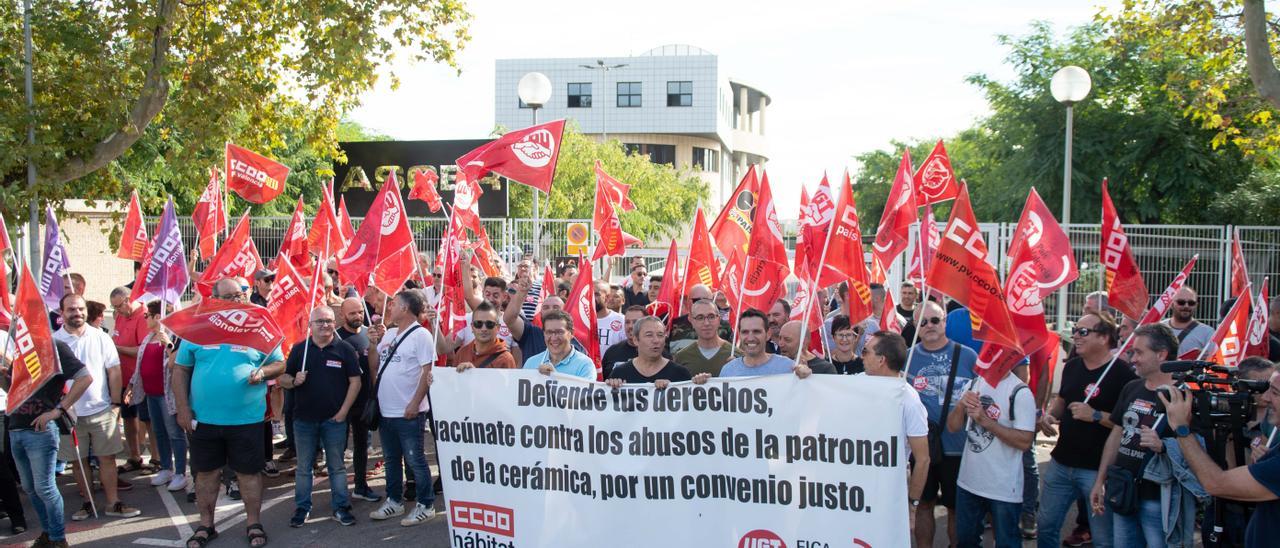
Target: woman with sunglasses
{"x": 487, "y": 350}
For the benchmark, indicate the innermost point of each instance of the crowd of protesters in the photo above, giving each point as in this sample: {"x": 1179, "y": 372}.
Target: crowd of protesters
{"x": 217, "y": 420}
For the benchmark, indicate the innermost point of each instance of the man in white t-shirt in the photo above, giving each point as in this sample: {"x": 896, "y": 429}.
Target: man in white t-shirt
{"x": 610, "y": 325}
{"x": 97, "y": 425}
{"x": 404, "y": 354}
{"x": 1000, "y": 424}
{"x": 885, "y": 355}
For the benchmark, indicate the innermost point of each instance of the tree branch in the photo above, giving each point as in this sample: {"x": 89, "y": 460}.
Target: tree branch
{"x": 151, "y": 99}
{"x": 1262, "y": 66}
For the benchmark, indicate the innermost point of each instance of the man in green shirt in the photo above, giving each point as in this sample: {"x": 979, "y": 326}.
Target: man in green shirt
{"x": 709, "y": 352}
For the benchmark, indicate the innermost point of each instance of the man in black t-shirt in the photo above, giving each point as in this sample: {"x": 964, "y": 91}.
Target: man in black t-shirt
{"x": 1084, "y": 427}
{"x": 352, "y": 332}
{"x": 649, "y": 365}
{"x": 621, "y": 353}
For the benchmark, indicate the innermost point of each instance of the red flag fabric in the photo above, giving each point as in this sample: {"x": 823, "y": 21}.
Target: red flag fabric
{"x": 344, "y": 223}
{"x": 1126, "y": 290}
{"x": 253, "y": 176}
{"x": 1230, "y": 338}
{"x": 800, "y": 264}
{"x": 36, "y": 360}
{"x": 295, "y": 248}
{"x": 766, "y": 242}
{"x": 1239, "y": 271}
{"x": 133, "y": 239}
{"x": 397, "y": 257}
{"x": 962, "y": 272}
{"x": 238, "y": 256}
{"x": 452, "y": 305}
{"x": 605, "y": 221}
{"x": 210, "y": 216}
{"x": 527, "y": 156}
{"x": 289, "y": 303}
{"x": 6, "y": 302}
{"x": 935, "y": 180}
{"x": 582, "y": 308}
{"x": 466, "y": 200}
{"x": 361, "y": 256}
{"x": 889, "y": 318}
{"x": 1161, "y": 305}
{"x": 546, "y": 290}
{"x": 899, "y": 214}
{"x": 325, "y": 237}
{"x": 845, "y": 256}
{"x": 215, "y": 321}
{"x": 701, "y": 266}
{"x": 4, "y": 236}
{"x": 1044, "y": 359}
{"x": 920, "y": 262}
{"x": 732, "y": 278}
{"x": 615, "y": 191}
{"x": 733, "y": 227}
{"x": 1258, "y": 342}
{"x": 424, "y": 188}
{"x": 669, "y": 294}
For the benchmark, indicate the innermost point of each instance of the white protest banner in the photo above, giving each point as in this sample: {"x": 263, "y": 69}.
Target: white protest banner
{"x": 530, "y": 460}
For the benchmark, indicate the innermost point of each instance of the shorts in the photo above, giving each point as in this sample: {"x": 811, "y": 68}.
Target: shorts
{"x": 213, "y": 446}
{"x": 99, "y": 434}
{"x": 942, "y": 476}
{"x": 135, "y": 411}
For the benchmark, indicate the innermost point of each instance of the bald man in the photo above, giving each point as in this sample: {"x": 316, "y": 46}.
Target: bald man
{"x": 683, "y": 333}
{"x": 1193, "y": 336}
{"x": 352, "y": 331}
{"x": 789, "y": 337}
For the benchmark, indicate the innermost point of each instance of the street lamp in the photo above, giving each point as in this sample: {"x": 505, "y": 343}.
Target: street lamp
{"x": 535, "y": 89}
{"x": 1069, "y": 86}
{"x": 606, "y": 68}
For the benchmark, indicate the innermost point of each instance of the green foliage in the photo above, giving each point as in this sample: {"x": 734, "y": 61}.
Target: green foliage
{"x": 665, "y": 197}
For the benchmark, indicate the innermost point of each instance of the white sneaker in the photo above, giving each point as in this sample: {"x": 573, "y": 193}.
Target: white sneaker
{"x": 178, "y": 483}
{"x": 421, "y": 514}
{"x": 161, "y": 478}
{"x": 389, "y": 509}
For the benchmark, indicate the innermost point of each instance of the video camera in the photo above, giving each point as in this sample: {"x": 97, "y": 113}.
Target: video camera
{"x": 1220, "y": 399}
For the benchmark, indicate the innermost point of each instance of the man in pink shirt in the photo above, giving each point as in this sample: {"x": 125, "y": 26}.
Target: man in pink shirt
{"x": 129, "y": 330}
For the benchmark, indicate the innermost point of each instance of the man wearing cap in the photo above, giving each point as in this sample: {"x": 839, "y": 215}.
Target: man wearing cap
{"x": 262, "y": 280}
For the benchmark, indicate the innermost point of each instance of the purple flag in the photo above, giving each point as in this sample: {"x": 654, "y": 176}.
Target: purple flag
{"x": 166, "y": 262}
{"x": 55, "y": 265}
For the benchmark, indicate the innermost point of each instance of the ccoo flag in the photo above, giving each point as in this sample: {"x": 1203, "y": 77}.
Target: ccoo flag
{"x": 55, "y": 265}
{"x": 36, "y": 361}
{"x": 164, "y": 269}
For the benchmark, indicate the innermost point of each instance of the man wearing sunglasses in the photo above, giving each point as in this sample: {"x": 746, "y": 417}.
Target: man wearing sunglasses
{"x": 1193, "y": 336}
{"x": 487, "y": 350}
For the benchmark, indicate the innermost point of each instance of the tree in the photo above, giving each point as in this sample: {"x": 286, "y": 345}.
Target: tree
{"x": 129, "y": 90}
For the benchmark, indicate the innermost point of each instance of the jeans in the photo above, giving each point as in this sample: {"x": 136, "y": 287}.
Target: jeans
{"x": 170, "y": 440}
{"x": 1145, "y": 528}
{"x": 359, "y": 452}
{"x": 402, "y": 439}
{"x": 1062, "y": 486}
{"x": 1030, "y": 481}
{"x": 35, "y": 454}
{"x": 971, "y": 509}
{"x": 308, "y": 436}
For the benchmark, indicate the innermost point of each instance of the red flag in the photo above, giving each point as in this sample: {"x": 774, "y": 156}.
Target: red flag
{"x": 424, "y": 188}
{"x": 527, "y": 156}
{"x": 238, "y": 256}
{"x": 215, "y": 321}
{"x": 889, "y": 318}
{"x": 701, "y": 266}
{"x": 615, "y": 191}
{"x": 6, "y": 302}
{"x": 1044, "y": 359}
{"x": 133, "y": 239}
{"x": 325, "y": 238}
{"x": 605, "y": 221}
{"x": 935, "y": 181}
{"x": 920, "y": 263}
{"x": 1161, "y": 305}
{"x": 844, "y": 255}
{"x": 669, "y": 294}
{"x": 962, "y": 272}
{"x": 582, "y": 308}
{"x": 466, "y": 200}
{"x": 1230, "y": 338}
{"x": 732, "y": 278}
{"x": 733, "y": 227}
{"x": 1239, "y": 271}
{"x": 4, "y": 236}
{"x": 210, "y": 216}
{"x": 344, "y": 223}
{"x": 765, "y": 267}
{"x": 1126, "y": 290}
{"x": 800, "y": 264}
{"x": 452, "y": 306}
{"x": 899, "y": 214}
{"x": 546, "y": 290}
{"x": 1258, "y": 343}
{"x": 397, "y": 257}
{"x": 253, "y": 176}
{"x": 37, "y": 360}
{"x": 294, "y": 248}
{"x": 289, "y": 303}
{"x": 766, "y": 242}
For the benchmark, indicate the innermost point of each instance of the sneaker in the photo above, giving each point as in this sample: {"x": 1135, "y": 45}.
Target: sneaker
{"x": 120, "y": 510}
{"x": 270, "y": 470}
{"x": 421, "y": 514}
{"x": 42, "y": 541}
{"x": 277, "y": 431}
{"x": 1028, "y": 526}
{"x": 85, "y": 512}
{"x": 299, "y": 518}
{"x": 59, "y": 544}
{"x": 288, "y": 454}
{"x": 344, "y": 517}
{"x": 178, "y": 483}
{"x": 162, "y": 477}
{"x": 366, "y": 494}
{"x": 389, "y": 509}
{"x": 233, "y": 490}
{"x": 1078, "y": 537}
{"x": 123, "y": 485}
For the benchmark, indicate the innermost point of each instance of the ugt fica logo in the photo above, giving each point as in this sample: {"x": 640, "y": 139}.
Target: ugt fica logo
{"x": 761, "y": 538}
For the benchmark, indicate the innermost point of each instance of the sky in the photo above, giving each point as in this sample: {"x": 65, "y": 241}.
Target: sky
{"x": 845, "y": 77}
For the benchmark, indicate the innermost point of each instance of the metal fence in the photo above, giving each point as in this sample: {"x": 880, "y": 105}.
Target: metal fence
{"x": 1161, "y": 252}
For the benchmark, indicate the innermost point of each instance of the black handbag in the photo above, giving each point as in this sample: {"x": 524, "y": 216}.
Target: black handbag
{"x": 1122, "y": 490}
{"x": 371, "y": 414}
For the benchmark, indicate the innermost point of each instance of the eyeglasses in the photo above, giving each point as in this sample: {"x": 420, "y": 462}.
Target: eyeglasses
{"x": 846, "y": 335}
{"x": 232, "y": 297}
{"x": 934, "y": 321}
{"x": 333, "y": 272}
{"x": 484, "y": 324}
{"x": 555, "y": 332}
{"x": 1082, "y": 331}
{"x": 323, "y": 322}
{"x": 704, "y": 317}
{"x": 1181, "y": 302}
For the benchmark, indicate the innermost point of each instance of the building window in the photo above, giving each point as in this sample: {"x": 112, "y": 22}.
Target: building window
{"x": 679, "y": 94}
{"x": 658, "y": 154}
{"x": 706, "y": 159}
{"x": 580, "y": 95}
{"x": 628, "y": 94}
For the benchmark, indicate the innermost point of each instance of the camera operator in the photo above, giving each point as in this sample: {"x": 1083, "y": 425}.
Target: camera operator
{"x": 1259, "y": 428}
{"x": 1235, "y": 515}
{"x": 1259, "y": 482}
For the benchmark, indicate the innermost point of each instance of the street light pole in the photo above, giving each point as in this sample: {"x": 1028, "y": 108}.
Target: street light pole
{"x": 534, "y": 89}
{"x": 1070, "y": 85}
{"x": 600, "y": 66}
{"x": 34, "y": 229}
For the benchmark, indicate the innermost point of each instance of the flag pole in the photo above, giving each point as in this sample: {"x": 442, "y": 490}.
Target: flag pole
{"x": 813, "y": 295}
{"x": 924, "y": 291}
{"x": 742, "y": 286}
{"x": 1098, "y": 383}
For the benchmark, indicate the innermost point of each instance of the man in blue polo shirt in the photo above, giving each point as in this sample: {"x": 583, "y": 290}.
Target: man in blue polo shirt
{"x": 557, "y": 328}
{"x": 220, "y": 392}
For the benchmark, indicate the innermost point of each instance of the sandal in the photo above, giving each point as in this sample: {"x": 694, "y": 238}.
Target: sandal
{"x": 256, "y": 532}
{"x": 201, "y": 541}
{"x": 130, "y": 466}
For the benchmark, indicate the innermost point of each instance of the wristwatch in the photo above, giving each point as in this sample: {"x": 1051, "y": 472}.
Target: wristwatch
{"x": 915, "y": 503}
{"x": 1097, "y": 416}
{"x": 1182, "y": 431}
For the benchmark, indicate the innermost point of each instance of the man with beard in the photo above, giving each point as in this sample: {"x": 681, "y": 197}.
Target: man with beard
{"x": 487, "y": 350}
{"x": 1193, "y": 336}
{"x": 779, "y": 313}
{"x": 352, "y": 332}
